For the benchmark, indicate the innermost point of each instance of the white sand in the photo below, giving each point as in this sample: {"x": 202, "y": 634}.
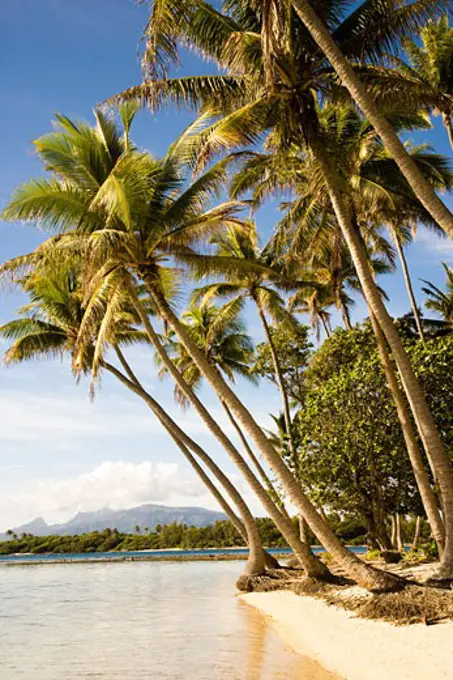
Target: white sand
{"x": 358, "y": 649}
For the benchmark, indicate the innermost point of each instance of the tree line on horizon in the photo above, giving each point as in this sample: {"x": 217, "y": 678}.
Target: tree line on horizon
{"x": 308, "y": 108}
{"x": 220, "y": 534}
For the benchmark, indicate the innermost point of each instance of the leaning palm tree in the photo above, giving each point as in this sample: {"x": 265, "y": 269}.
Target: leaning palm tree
{"x": 132, "y": 211}
{"x": 329, "y": 32}
{"x": 378, "y": 193}
{"x": 50, "y": 326}
{"x": 401, "y": 18}
{"x": 440, "y": 301}
{"x": 220, "y": 334}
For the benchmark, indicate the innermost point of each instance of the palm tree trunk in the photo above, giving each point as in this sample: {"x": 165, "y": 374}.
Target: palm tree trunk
{"x": 345, "y": 315}
{"x": 449, "y": 128}
{"x": 303, "y": 528}
{"x": 325, "y": 326}
{"x": 261, "y": 471}
{"x": 407, "y": 279}
{"x": 256, "y": 561}
{"x": 427, "y": 427}
{"x": 399, "y": 536}
{"x": 410, "y": 438}
{"x": 359, "y": 93}
{"x": 417, "y": 533}
{"x": 312, "y": 565}
{"x": 364, "y": 574}
{"x": 270, "y": 561}
{"x": 393, "y": 539}
{"x": 280, "y": 382}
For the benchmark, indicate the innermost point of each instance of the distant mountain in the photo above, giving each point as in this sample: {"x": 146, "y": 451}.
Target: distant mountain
{"x": 124, "y": 520}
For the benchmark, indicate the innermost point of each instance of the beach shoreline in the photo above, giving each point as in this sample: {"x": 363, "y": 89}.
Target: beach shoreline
{"x": 356, "y": 648}
{"x": 147, "y": 556}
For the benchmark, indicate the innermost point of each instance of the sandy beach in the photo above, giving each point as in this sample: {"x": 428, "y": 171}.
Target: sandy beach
{"x": 354, "y": 648}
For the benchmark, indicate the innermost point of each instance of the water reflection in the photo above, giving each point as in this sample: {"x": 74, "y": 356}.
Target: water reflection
{"x": 137, "y": 621}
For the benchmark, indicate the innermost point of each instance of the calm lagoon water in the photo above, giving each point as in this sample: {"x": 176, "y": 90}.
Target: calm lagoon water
{"x": 137, "y": 621}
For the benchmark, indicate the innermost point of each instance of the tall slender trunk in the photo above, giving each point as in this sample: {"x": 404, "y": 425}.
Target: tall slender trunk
{"x": 399, "y": 535}
{"x": 313, "y": 566}
{"x": 407, "y": 279}
{"x": 393, "y": 539}
{"x": 417, "y": 533}
{"x": 449, "y": 128}
{"x": 303, "y": 528}
{"x": 364, "y": 574}
{"x": 261, "y": 471}
{"x": 280, "y": 383}
{"x": 346, "y": 317}
{"x": 358, "y": 91}
{"x": 410, "y": 438}
{"x": 324, "y": 325}
{"x": 256, "y": 561}
{"x": 427, "y": 427}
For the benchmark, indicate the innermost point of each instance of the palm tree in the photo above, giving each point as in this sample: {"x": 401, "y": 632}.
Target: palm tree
{"x": 236, "y": 250}
{"x": 221, "y": 336}
{"x": 131, "y": 211}
{"x": 440, "y": 301}
{"x": 328, "y": 42}
{"x": 378, "y": 193}
{"x": 50, "y": 326}
{"x": 427, "y": 77}
{"x": 248, "y": 273}
{"x": 316, "y": 304}
{"x": 253, "y": 104}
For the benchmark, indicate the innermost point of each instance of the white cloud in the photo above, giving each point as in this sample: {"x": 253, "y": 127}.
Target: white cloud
{"x": 118, "y": 484}
{"x": 440, "y": 247}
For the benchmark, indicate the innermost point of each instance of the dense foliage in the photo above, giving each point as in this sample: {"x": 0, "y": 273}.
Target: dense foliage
{"x": 352, "y": 453}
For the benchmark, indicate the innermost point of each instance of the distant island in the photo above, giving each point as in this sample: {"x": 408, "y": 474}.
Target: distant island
{"x": 146, "y": 516}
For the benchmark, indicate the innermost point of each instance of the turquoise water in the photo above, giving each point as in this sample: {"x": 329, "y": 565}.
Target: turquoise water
{"x": 74, "y": 557}
{"x": 138, "y": 621}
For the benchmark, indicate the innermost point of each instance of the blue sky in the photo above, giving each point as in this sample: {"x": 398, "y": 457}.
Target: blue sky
{"x": 59, "y": 452}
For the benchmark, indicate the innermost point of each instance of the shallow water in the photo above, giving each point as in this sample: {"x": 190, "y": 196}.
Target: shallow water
{"x": 153, "y": 620}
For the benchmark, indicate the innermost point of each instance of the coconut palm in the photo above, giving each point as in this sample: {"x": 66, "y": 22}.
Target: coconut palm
{"x": 221, "y": 336}
{"x": 50, "y": 326}
{"x": 132, "y": 214}
{"x": 401, "y": 18}
{"x": 258, "y": 283}
{"x": 441, "y": 301}
{"x": 316, "y": 304}
{"x": 427, "y": 75}
{"x": 125, "y": 212}
{"x": 378, "y": 194}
